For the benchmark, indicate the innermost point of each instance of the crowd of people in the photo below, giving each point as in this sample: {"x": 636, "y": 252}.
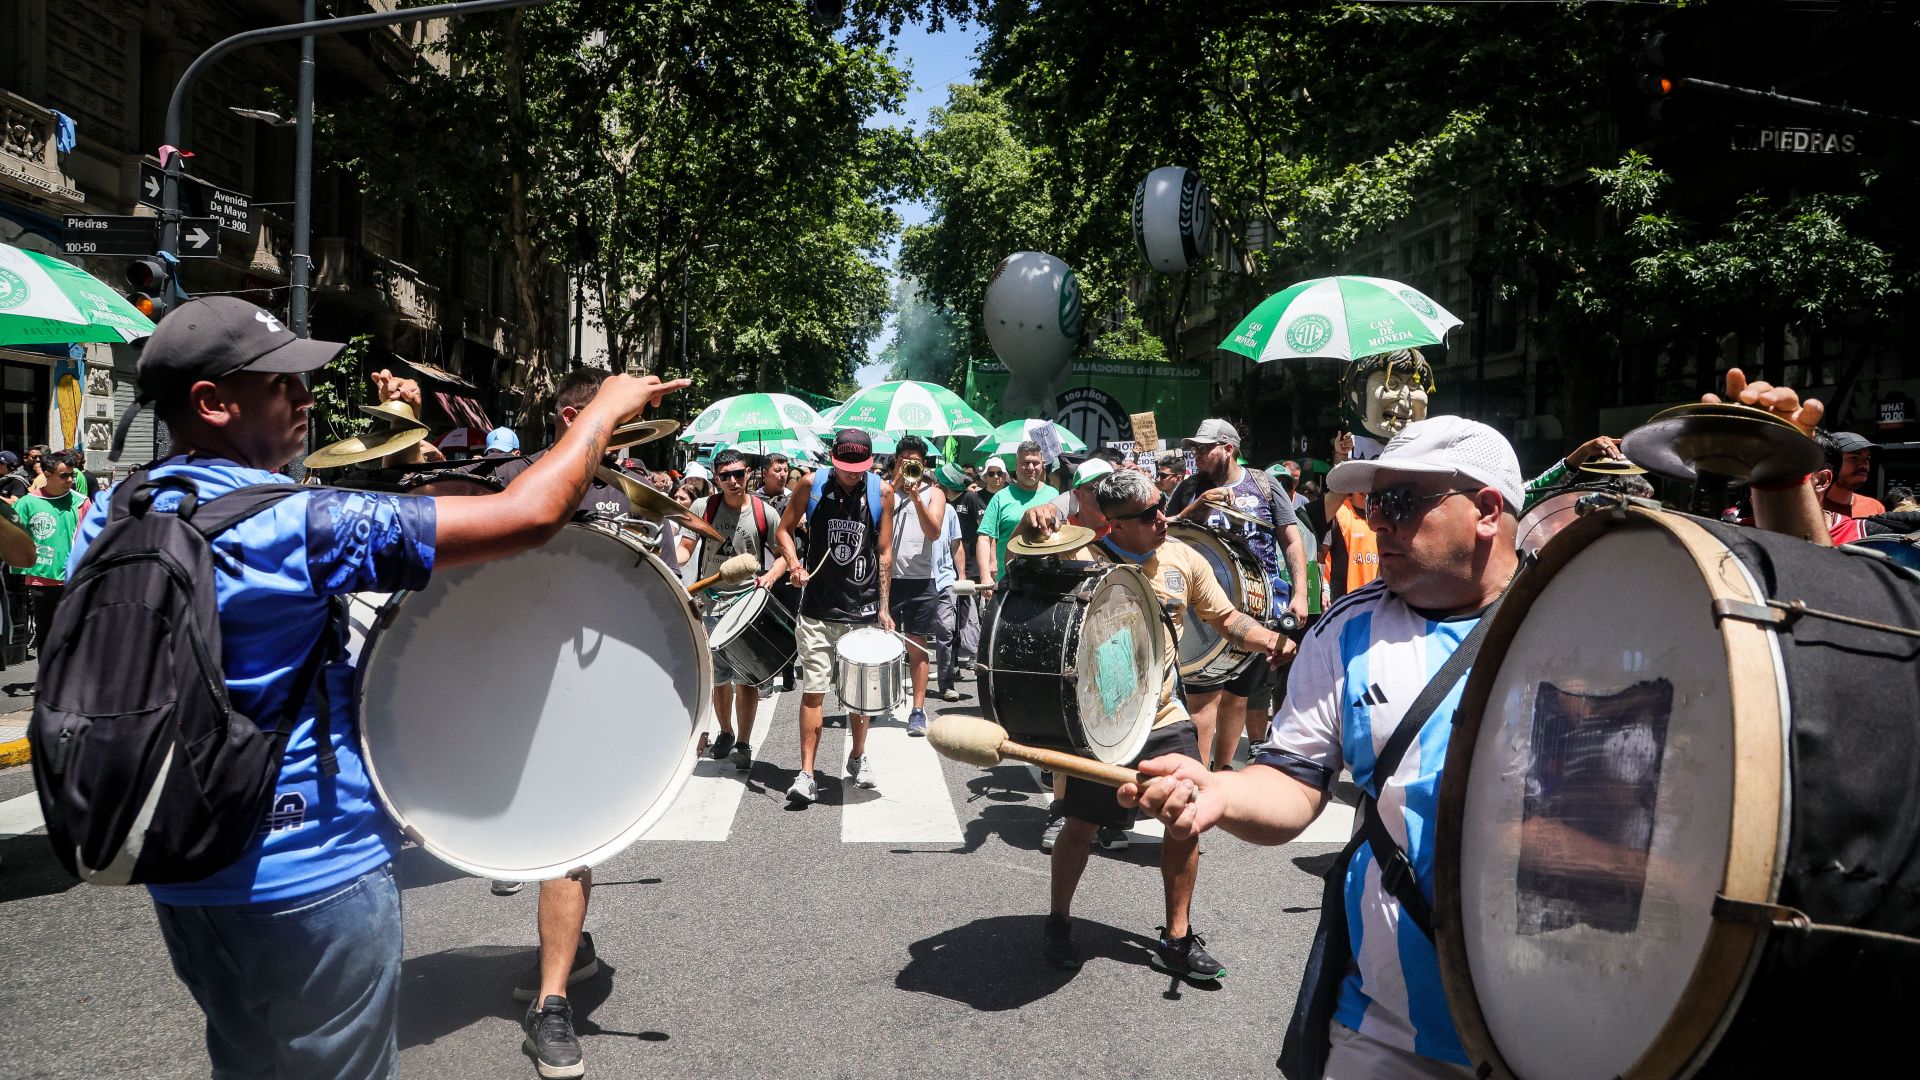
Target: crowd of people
{"x": 1381, "y": 568}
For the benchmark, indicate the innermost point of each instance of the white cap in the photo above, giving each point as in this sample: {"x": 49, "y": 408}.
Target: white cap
{"x": 696, "y": 469}
{"x": 1090, "y": 470}
{"x": 994, "y": 463}
{"x": 1441, "y": 444}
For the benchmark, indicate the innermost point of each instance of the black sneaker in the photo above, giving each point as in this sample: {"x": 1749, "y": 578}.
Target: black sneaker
{"x": 586, "y": 964}
{"x": 1113, "y": 838}
{"x": 722, "y": 746}
{"x": 1187, "y": 957}
{"x": 1057, "y": 943}
{"x": 550, "y": 1039}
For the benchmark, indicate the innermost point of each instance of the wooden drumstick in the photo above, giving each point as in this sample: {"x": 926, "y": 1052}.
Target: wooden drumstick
{"x": 985, "y": 743}
{"x": 732, "y": 572}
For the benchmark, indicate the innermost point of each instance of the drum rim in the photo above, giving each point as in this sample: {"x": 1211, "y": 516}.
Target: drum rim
{"x": 1138, "y": 582}
{"x": 1761, "y": 810}
{"x": 756, "y": 598}
{"x": 1241, "y": 557}
{"x": 639, "y": 827}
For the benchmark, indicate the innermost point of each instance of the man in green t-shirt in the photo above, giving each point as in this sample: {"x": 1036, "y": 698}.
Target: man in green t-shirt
{"x": 1007, "y": 506}
{"x": 51, "y": 518}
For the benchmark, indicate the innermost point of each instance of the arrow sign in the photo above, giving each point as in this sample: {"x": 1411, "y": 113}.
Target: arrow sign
{"x": 228, "y": 209}
{"x": 199, "y": 238}
{"x": 149, "y": 188}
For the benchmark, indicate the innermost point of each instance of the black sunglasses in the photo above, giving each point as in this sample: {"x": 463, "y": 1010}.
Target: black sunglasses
{"x": 1396, "y": 504}
{"x": 731, "y": 474}
{"x": 1151, "y": 512}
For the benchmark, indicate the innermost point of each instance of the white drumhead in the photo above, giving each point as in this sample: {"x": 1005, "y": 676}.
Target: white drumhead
{"x": 528, "y": 716}
{"x": 870, "y": 646}
{"x": 1595, "y": 829}
{"x": 1200, "y": 643}
{"x": 736, "y": 614}
{"x": 1121, "y": 664}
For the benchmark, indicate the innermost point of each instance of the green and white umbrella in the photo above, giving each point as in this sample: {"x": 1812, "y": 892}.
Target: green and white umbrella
{"x": 769, "y": 416}
{"x": 1340, "y": 318}
{"x": 1006, "y": 438}
{"x": 916, "y": 408}
{"x": 44, "y": 300}
{"x": 804, "y": 444}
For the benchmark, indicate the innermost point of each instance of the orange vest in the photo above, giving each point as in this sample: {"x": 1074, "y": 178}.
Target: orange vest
{"x": 1355, "y": 540}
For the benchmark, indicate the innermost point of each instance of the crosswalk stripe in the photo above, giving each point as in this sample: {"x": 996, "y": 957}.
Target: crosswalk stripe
{"x": 914, "y": 805}
{"x": 705, "y": 809}
{"x": 21, "y": 815}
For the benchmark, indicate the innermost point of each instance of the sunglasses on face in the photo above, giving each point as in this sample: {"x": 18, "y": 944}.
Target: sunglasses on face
{"x": 995, "y": 473}
{"x": 731, "y": 474}
{"x": 1151, "y": 513}
{"x": 1396, "y": 504}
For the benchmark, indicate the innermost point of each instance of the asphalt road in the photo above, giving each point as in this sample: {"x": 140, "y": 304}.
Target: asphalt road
{"x": 871, "y": 935}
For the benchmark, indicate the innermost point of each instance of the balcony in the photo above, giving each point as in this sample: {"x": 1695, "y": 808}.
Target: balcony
{"x": 345, "y": 268}
{"x": 28, "y": 159}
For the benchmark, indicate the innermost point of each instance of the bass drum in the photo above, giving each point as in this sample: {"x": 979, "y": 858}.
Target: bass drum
{"x": 1679, "y": 827}
{"x": 1075, "y": 657}
{"x": 568, "y": 677}
{"x": 1206, "y": 659}
{"x": 1546, "y": 518}
{"x": 1903, "y": 549}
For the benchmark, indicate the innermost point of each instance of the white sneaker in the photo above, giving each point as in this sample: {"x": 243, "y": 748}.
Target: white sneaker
{"x": 804, "y": 789}
{"x": 860, "y": 772}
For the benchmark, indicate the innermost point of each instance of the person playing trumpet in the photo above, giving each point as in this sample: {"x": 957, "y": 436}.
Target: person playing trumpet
{"x": 919, "y": 533}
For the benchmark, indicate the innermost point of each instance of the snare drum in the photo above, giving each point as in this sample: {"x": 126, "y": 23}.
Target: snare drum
{"x": 1207, "y": 659}
{"x": 1674, "y": 816}
{"x": 525, "y": 717}
{"x": 1545, "y": 518}
{"x": 870, "y": 671}
{"x": 754, "y": 634}
{"x": 1075, "y": 657}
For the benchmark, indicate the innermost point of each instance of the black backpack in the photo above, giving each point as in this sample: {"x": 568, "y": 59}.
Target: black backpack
{"x": 146, "y": 774}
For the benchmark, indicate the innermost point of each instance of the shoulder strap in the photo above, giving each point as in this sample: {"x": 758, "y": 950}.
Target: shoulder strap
{"x": 223, "y": 512}
{"x": 874, "y": 498}
{"x": 759, "y": 518}
{"x": 713, "y": 508}
{"x": 311, "y": 678}
{"x": 819, "y": 485}
{"x": 1397, "y": 875}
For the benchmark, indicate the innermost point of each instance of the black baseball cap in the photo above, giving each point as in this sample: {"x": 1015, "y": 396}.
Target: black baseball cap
{"x": 853, "y": 450}
{"x": 210, "y": 338}
{"x": 1849, "y": 443}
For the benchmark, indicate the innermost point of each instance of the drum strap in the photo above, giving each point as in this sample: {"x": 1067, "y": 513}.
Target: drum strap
{"x": 1397, "y": 874}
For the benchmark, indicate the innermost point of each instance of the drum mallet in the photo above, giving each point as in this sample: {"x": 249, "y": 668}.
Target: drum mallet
{"x": 985, "y": 743}
{"x": 732, "y": 572}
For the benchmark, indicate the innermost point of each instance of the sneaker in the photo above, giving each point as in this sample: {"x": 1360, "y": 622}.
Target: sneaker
{"x": 917, "y": 723}
{"x": 506, "y": 888}
{"x": 860, "y": 771}
{"x": 550, "y": 1039}
{"x": 804, "y": 789}
{"x": 1187, "y": 957}
{"x": 1112, "y": 838}
{"x": 1056, "y": 943}
{"x": 742, "y": 756}
{"x": 586, "y": 964}
{"x": 722, "y": 746}
{"x": 1052, "y": 834}
{"x": 950, "y": 694}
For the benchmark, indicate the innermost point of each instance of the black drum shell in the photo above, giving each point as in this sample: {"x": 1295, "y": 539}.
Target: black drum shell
{"x": 765, "y": 647}
{"x": 1031, "y": 637}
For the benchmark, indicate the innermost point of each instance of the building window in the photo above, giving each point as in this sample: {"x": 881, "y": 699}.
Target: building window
{"x": 24, "y": 390}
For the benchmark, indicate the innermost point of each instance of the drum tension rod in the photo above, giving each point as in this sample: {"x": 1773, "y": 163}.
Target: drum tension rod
{"x": 980, "y": 667}
{"x": 1781, "y": 917}
{"x": 1781, "y": 615}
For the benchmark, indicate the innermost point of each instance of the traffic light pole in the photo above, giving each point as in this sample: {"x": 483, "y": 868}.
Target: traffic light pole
{"x": 310, "y": 29}
{"x": 300, "y": 274}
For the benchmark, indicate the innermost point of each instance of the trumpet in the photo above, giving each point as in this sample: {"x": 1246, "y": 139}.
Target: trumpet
{"x": 912, "y": 472}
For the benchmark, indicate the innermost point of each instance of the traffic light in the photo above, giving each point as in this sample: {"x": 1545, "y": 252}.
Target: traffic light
{"x": 1653, "y": 78}
{"x": 147, "y": 283}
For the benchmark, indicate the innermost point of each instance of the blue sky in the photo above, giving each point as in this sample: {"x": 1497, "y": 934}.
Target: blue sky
{"x": 934, "y": 61}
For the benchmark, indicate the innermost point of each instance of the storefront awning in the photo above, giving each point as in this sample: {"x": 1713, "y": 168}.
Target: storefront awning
{"x": 463, "y": 410}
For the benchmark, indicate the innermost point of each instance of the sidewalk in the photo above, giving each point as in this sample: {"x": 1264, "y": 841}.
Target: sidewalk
{"x": 16, "y": 705}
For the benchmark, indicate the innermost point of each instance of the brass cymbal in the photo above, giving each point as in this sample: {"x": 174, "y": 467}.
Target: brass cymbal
{"x": 647, "y": 502}
{"x": 394, "y": 414}
{"x": 1611, "y": 467}
{"x": 640, "y": 432}
{"x": 373, "y": 445}
{"x": 1240, "y": 516}
{"x": 1066, "y": 538}
{"x": 1736, "y": 442}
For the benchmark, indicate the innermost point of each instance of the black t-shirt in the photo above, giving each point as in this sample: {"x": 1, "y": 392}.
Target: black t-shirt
{"x": 12, "y": 486}
{"x": 600, "y": 499}
{"x": 844, "y": 557}
{"x": 968, "y": 508}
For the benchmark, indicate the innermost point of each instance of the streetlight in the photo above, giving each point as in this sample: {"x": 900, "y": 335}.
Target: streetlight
{"x": 265, "y": 116}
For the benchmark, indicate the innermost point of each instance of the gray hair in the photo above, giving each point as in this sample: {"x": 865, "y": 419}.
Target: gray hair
{"x": 1123, "y": 487}
{"x": 1026, "y": 447}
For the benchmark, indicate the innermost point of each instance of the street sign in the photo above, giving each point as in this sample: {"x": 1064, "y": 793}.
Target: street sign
{"x": 110, "y": 235}
{"x": 228, "y": 209}
{"x": 199, "y": 238}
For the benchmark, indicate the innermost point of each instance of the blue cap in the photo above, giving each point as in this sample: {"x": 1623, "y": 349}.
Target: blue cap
{"x": 10, "y": 459}
{"x": 503, "y": 438}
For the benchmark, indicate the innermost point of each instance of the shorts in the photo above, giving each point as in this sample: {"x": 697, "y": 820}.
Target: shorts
{"x": 816, "y": 639}
{"x": 1257, "y": 677}
{"x": 915, "y": 606}
{"x": 1087, "y": 801}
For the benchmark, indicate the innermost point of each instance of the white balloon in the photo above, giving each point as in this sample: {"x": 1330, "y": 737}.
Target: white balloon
{"x": 1034, "y": 320}
{"x": 1172, "y": 219}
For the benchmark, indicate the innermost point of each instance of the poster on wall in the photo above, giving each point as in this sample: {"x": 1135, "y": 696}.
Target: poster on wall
{"x": 1099, "y": 398}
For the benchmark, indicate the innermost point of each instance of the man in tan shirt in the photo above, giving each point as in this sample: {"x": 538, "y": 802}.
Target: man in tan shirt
{"x": 1183, "y": 582}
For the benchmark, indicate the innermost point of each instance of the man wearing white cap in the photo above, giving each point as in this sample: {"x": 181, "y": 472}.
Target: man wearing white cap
{"x": 1443, "y": 498}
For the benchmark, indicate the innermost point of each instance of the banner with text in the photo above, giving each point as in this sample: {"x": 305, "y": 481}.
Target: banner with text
{"x": 1099, "y": 398}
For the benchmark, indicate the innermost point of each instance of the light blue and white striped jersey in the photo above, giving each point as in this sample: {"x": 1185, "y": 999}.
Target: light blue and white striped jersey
{"x": 1357, "y": 672}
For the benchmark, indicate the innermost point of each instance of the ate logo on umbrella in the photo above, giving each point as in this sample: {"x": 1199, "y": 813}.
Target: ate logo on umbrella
{"x": 13, "y": 289}
{"x": 914, "y": 414}
{"x": 1309, "y": 332}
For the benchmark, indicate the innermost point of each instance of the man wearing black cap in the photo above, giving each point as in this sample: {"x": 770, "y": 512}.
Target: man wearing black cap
{"x": 12, "y": 485}
{"x": 293, "y": 952}
{"x": 1853, "y": 471}
{"x": 849, "y": 522}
